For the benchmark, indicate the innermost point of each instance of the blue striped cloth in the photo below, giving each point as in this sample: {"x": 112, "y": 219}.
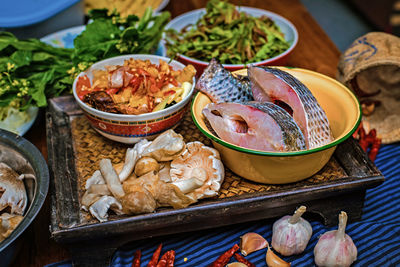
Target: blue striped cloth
{"x": 377, "y": 235}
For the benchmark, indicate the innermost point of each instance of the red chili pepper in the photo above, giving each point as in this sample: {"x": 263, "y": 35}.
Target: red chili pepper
{"x": 112, "y": 91}
{"x": 136, "y": 258}
{"x": 241, "y": 259}
{"x": 154, "y": 259}
{"x": 82, "y": 84}
{"x": 224, "y": 258}
{"x": 374, "y": 149}
{"x": 167, "y": 260}
{"x": 170, "y": 92}
{"x": 356, "y": 132}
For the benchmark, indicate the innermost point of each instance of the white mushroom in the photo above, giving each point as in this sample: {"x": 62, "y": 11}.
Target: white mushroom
{"x": 12, "y": 189}
{"x": 94, "y": 193}
{"x": 111, "y": 178}
{"x": 137, "y": 199}
{"x": 166, "y": 146}
{"x": 100, "y": 208}
{"x": 163, "y": 173}
{"x": 131, "y": 158}
{"x": 189, "y": 185}
{"x": 96, "y": 178}
{"x": 165, "y": 194}
{"x": 201, "y": 163}
{"x": 141, "y": 146}
{"x": 8, "y": 222}
{"x": 145, "y": 165}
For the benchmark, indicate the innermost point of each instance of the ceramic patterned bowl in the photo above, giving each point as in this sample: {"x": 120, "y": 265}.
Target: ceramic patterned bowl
{"x": 132, "y": 128}
{"x": 342, "y": 109}
{"x": 287, "y": 28}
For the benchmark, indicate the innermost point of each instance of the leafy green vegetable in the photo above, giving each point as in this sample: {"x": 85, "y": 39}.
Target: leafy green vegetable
{"x": 32, "y": 71}
{"x": 232, "y": 36}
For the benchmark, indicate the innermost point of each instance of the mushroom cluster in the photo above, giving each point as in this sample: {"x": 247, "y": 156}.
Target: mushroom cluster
{"x": 165, "y": 172}
{"x": 13, "y": 199}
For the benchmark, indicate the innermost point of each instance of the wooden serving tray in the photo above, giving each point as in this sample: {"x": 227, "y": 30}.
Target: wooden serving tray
{"x": 74, "y": 150}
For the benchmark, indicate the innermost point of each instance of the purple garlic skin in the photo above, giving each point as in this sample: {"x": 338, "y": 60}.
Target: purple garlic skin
{"x": 290, "y": 234}
{"x": 335, "y": 248}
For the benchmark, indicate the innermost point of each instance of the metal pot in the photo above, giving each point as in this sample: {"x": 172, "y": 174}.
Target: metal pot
{"x": 23, "y": 157}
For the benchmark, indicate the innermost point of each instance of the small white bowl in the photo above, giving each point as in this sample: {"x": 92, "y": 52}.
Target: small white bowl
{"x": 132, "y": 128}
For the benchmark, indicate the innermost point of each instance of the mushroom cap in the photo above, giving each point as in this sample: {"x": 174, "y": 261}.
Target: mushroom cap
{"x": 165, "y": 147}
{"x": 137, "y": 200}
{"x": 14, "y": 193}
{"x": 8, "y": 222}
{"x": 100, "y": 208}
{"x": 145, "y": 165}
{"x": 203, "y": 163}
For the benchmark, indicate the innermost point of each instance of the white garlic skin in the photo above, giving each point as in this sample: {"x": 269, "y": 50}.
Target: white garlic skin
{"x": 335, "y": 248}
{"x": 331, "y": 251}
{"x": 290, "y": 239}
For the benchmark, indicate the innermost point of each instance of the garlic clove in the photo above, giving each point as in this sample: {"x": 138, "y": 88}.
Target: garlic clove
{"x": 274, "y": 261}
{"x": 290, "y": 234}
{"x": 335, "y": 248}
{"x": 236, "y": 264}
{"x": 251, "y": 242}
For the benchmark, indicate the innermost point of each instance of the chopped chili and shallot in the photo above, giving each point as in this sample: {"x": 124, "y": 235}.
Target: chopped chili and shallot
{"x": 136, "y": 87}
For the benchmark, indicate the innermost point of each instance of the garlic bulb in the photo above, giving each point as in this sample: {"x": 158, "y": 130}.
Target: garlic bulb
{"x": 274, "y": 261}
{"x": 251, "y": 242}
{"x": 290, "y": 234}
{"x": 336, "y": 248}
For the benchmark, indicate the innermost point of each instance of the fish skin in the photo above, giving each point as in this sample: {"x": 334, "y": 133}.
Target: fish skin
{"x": 221, "y": 86}
{"x": 269, "y": 84}
{"x": 267, "y": 126}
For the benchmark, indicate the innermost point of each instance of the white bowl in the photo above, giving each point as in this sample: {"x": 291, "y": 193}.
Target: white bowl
{"x": 132, "y": 128}
{"x": 287, "y": 28}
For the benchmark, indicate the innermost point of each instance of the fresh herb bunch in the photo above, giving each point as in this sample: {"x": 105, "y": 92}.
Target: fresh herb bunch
{"x": 32, "y": 71}
{"x": 225, "y": 33}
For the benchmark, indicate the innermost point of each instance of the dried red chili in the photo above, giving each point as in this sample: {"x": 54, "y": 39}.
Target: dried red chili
{"x": 224, "y": 258}
{"x": 242, "y": 259}
{"x": 136, "y": 258}
{"x": 154, "y": 259}
{"x": 167, "y": 260}
{"x": 374, "y": 149}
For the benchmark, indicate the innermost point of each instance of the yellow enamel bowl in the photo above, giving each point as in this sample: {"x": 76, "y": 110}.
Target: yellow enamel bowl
{"x": 344, "y": 114}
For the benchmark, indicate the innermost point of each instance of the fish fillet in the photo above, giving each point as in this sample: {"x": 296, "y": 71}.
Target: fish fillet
{"x": 261, "y": 126}
{"x": 279, "y": 87}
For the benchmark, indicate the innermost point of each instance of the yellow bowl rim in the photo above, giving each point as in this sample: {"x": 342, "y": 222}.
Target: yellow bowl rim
{"x": 280, "y": 154}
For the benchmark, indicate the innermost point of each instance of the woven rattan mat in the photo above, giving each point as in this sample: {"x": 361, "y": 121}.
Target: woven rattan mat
{"x": 90, "y": 147}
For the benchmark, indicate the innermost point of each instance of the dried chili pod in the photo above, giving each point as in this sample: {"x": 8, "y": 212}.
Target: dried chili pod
{"x": 225, "y": 257}
{"x": 374, "y": 149}
{"x": 154, "y": 259}
{"x": 136, "y": 258}
{"x": 242, "y": 259}
{"x": 167, "y": 260}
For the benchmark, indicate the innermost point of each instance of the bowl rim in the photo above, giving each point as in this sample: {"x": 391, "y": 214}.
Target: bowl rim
{"x": 280, "y": 154}
{"x": 39, "y": 165}
{"x": 144, "y": 116}
{"x": 244, "y": 8}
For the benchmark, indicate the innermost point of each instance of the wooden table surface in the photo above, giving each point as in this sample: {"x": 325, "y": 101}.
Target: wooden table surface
{"x": 314, "y": 51}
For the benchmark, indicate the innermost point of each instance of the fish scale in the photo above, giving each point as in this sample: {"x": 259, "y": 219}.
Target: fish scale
{"x": 221, "y": 86}
{"x": 316, "y": 125}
